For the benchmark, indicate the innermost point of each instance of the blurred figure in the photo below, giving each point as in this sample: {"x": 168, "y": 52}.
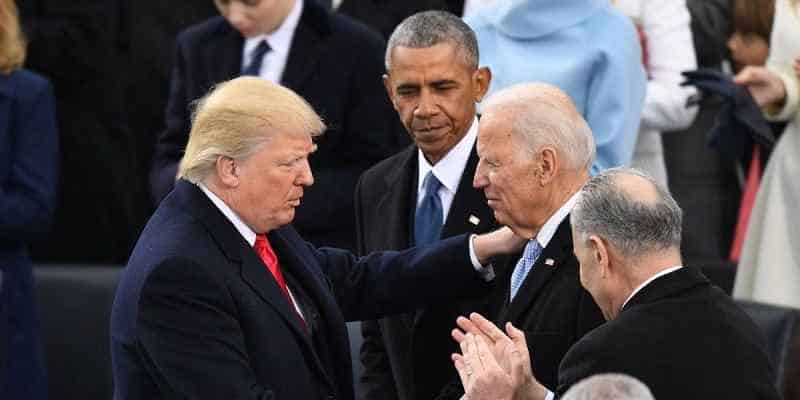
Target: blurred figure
{"x": 707, "y": 191}
{"x": 102, "y": 200}
{"x": 384, "y": 16}
{"x": 423, "y": 194}
{"x": 609, "y": 387}
{"x": 28, "y": 176}
{"x": 752, "y": 27}
{"x": 330, "y": 60}
{"x": 584, "y": 47}
{"x": 627, "y": 232}
{"x": 769, "y": 267}
{"x": 667, "y": 48}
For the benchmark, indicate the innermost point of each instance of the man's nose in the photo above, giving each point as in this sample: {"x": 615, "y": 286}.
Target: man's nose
{"x": 426, "y": 106}
{"x": 479, "y": 181}
{"x": 306, "y": 178}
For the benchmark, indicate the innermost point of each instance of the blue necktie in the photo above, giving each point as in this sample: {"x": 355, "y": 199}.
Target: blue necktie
{"x": 254, "y": 68}
{"x": 428, "y": 218}
{"x": 532, "y": 251}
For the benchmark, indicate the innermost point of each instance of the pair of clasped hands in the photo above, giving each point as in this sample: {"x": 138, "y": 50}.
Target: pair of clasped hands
{"x": 494, "y": 365}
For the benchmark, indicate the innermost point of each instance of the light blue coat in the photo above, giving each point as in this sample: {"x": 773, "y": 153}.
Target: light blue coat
{"x": 585, "y": 47}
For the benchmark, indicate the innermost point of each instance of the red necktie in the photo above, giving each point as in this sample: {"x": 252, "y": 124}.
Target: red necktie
{"x": 748, "y": 200}
{"x": 267, "y": 255}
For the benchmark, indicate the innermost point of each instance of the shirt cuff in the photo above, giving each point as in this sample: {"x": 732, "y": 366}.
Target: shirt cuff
{"x": 549, "y": 396}
{"x": 486, "y": 272}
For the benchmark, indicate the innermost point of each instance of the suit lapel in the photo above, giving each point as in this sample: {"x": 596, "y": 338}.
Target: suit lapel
{"x": 307, "y": 46}
{"x": 469, "y": 206}
{"x": 224, "y": 55}
{"x": 399, "y": 197}
{"x": 468, "y": 203}
{"x": 553, "y": 256}
{"x": 292, "y": 264}
{"x": 253, "y": 271}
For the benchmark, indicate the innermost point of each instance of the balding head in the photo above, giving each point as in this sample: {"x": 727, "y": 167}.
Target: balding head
{"x": 542, "y": 114}
{"x": 631, "y": 211}
{"x": 609, "y": 387}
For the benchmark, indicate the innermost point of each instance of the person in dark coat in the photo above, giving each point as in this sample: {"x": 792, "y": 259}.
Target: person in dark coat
{"x": 535, "y": 150}
{"x": 102, "y": 199}
{"x": 432, "y": 53}
{"x": 28, "y": 183}
{"x": 330, "y": 60}
{"x": 668, "y": 326}
{"x": 222, "y": 298}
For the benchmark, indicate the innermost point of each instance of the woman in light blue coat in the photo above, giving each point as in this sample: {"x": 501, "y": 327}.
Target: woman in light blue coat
{"x": 585, "y": 47}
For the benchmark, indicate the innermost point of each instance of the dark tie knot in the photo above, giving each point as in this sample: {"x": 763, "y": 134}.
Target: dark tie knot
{"x": 254, "y": 68}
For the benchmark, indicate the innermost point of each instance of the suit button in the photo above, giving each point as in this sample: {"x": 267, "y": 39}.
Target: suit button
{"x": 331, "y": 397}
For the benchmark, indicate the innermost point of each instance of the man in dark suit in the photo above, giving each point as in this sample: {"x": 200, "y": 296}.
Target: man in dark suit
{"x": 667, "y": 325}
{"x": 222, "y": 298}
{"x": 330, "y": 60}
{"x": 433, "y": 81}
{"x": 535, "y": 150}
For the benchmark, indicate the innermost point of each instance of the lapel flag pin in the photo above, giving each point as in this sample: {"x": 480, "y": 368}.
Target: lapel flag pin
{"x": 549, "y": 262}
{"x": 474, "y": 220}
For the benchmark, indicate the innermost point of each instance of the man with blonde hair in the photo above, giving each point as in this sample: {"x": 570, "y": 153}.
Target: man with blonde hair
{"x": 222, "y": 298}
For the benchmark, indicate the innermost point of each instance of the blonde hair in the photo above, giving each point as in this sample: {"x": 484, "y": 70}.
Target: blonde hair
{"x": 12, "y": 42}
{"x": 239, "y": 116}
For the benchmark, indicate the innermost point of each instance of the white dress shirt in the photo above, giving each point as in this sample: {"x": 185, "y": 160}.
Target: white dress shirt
{"x": 549, "y": 228}
{"x": 448, "y": 170}
{"x": 280, "y": 41}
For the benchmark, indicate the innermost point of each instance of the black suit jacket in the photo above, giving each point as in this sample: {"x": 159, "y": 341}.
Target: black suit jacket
{"x": 684, "y": 338}
{"x": 408, "y": 356}
{"x": 385, "y": 15}
{"x": 197, "y": 315}
{"x": 334, "y": 63}
{"x": 551, "y": 306}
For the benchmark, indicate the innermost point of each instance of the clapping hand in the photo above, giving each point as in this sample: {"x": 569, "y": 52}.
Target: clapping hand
{"x": 494, "y": 365}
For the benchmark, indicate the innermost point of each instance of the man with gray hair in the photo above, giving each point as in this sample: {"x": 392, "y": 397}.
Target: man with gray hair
{"x": 667, "y": 324}
{"x": 609, "y": 387}
{"x": 535, "y": 151}
{"x": 423, "y": 194}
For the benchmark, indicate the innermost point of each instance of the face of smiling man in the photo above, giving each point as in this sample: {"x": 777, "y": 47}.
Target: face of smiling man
{"x": 434, "y": 91}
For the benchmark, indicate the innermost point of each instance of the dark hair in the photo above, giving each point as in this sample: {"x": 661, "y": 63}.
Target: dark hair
{"x": 753, "y": 17}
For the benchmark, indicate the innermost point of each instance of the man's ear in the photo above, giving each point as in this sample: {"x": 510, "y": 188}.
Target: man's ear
{"x": 227, "y": 171}
{"x": 600, "y": 253}
{"x": 482, "y": 77}
{"x": 547, "y": 164}
{"x": 387, "y": 84}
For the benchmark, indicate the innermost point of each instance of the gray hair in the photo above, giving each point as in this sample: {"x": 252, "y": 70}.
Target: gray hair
{"x": 635, "y": 223}
{"x": 429, "y": 28}
{"x": 609, "y": 387}
{"x": 543, "y": 115}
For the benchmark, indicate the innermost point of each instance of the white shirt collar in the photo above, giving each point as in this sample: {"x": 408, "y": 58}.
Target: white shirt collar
{"x": 247, "y": 233}
{"x": 549, "y": 228}
{"x": 450, "y": 168}
{"x": 280, "y": 40}
{"x": 647, "y": 282}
